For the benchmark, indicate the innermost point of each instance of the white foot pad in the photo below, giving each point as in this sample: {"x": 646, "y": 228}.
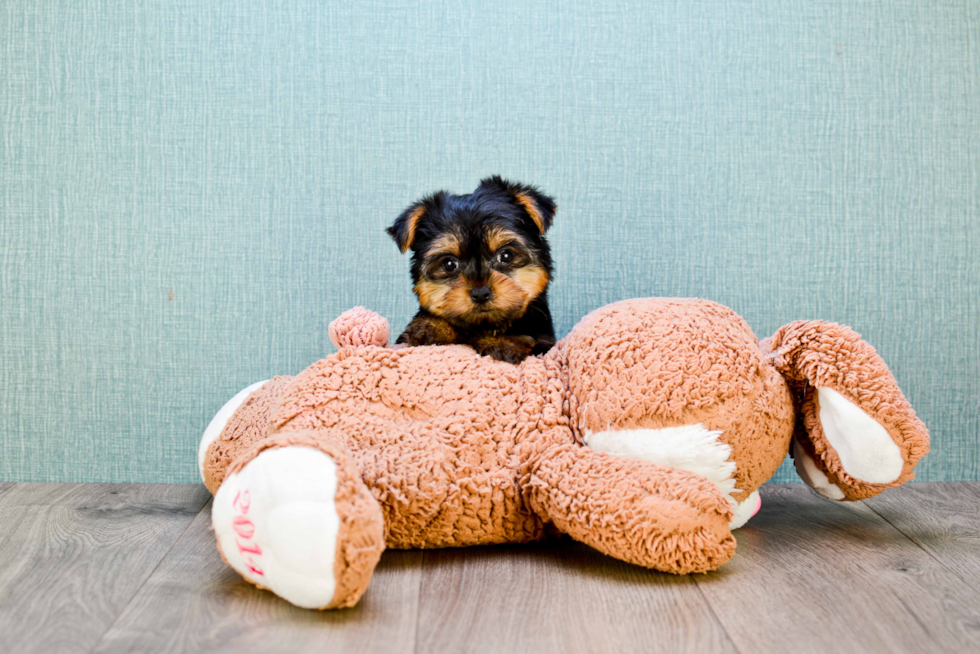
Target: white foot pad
{"x": 276, "y": 523}
{"x": 745, "y": 510}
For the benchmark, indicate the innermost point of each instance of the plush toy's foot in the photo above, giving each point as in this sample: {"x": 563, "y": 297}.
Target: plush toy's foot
{"x": 295, "y": 520}
{"x": 277, "y": 524}
{"x": 745, "y": 510}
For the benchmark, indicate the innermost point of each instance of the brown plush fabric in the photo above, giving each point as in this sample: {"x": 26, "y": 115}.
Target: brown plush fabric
{"x": 650, "y": 515}
{"x": 439, "y": 453}
{"x": 659, "y": 362}
{"x": 248, "y": 425}
{"x": 816, "y": 354}
{"x": 459, "y": 449}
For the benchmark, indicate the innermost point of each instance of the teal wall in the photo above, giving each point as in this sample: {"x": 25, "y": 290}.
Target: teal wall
{"x": 190, "y": 191}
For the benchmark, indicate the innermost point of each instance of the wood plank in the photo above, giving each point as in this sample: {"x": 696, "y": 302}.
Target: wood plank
{"x": 558, "y": 596}
{"x": 194, "y": 602}
{"x": 817, "y": 576}
{"x": 73, "y": 555}
{"x": 943, "y": 519}
{"x": 4, "y": 485}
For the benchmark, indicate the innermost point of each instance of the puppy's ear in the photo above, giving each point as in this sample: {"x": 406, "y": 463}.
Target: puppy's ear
{"x": 539, "y": 207}
{"x": 404, "y": 228}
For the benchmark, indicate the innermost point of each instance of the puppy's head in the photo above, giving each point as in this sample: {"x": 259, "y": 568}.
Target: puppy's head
{"x": 478, "y": 259}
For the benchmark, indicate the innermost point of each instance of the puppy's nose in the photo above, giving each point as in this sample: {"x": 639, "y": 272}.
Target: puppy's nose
{"x": 481, "y": 294}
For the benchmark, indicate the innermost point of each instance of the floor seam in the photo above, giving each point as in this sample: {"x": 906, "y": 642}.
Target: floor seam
{"x": 418, "y": 605}
{"x": 932, "y": 556}
{"x": 150, "y": 576}
{"x": 714, "y": 614}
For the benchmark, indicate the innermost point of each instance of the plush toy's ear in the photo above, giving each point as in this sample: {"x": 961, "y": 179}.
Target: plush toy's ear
{"x": 404, "y": 227}
{"x": 859, "y": 434}
{"x": 539, "y": 207}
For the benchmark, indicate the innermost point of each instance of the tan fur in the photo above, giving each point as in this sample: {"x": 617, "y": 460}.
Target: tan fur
{"x": 411, "y": 225}
{"x": 532, "y": 209}
{"x": 458, "y": 302}
{"x": 532, "y": 280}
{"x": 429, "y": 330}
{"x": 432, "y": 294}
{"x": 508, "y": 296}
{"x": 445, "y": 244}
{"x": 511, "y": 348}
{"x": 511, "y": 296}
{"x": 497, "y": 237}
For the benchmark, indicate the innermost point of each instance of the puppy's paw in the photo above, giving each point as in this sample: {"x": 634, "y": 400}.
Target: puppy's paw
{"x": 512, "y": 349}
{"x": 543, "y": 344}
{"x": 428, "y": 330}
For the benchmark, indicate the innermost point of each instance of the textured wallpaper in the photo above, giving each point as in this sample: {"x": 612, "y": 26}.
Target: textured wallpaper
{"x": 190, "y": 191}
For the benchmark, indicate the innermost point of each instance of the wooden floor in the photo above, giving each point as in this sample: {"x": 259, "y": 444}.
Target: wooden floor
{"x": 133, "y": 568}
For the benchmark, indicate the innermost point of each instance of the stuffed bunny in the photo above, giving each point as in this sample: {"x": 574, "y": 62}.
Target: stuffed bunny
{"x": 645, "y": 433}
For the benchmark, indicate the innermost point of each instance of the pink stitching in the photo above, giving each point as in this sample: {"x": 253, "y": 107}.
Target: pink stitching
{"x": 246, "y": 501}
{"x": 245, "y": 528}
{"x": 253, "y": 549}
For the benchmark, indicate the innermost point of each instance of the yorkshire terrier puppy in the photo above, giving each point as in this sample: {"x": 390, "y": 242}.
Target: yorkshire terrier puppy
{"x": 480, "y": 268}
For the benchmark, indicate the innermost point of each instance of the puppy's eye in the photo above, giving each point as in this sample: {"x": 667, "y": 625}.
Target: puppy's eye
{"x": 450, "y": 265}
{"x": 505, "y": 256}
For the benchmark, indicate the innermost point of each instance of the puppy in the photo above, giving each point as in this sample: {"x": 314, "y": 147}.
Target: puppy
{"x": 480, "y": 268}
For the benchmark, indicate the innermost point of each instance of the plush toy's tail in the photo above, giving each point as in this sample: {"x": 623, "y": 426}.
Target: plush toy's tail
{"x": 857, "y": 434}
{"x": 359, "y": 327}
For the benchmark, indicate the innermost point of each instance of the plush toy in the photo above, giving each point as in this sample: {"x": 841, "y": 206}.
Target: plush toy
{"x": 645, "y": 433}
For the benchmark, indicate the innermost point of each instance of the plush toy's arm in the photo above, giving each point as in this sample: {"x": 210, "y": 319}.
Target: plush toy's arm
{"x": 651, "y": 515}
{"x": 859, "y": 434}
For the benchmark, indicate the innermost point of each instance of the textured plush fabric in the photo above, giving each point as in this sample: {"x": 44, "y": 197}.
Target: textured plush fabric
{"x": 458, "y": 449}
{"x": 190, "y": 191}
{"x": 691, "y": 366}
{"x": 813, "y": 354}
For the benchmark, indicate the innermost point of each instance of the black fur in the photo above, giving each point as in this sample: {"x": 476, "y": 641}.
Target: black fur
{"x": 495, "y": 204}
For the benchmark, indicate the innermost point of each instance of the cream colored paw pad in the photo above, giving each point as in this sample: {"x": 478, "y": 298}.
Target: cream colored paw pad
{"x": 276, "y": 523}
{"x": 745, "y": 510}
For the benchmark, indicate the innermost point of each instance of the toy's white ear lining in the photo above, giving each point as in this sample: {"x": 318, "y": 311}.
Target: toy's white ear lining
{"x": 865, "y": 449}
{"x": 814, "y": 476}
